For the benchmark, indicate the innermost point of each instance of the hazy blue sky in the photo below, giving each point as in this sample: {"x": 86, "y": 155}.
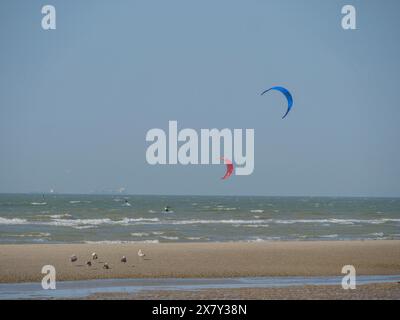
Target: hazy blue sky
{"x": 76, "y": 102}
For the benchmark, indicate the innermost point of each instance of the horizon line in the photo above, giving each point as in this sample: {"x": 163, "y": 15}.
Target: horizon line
{"x": 194, "y": 195}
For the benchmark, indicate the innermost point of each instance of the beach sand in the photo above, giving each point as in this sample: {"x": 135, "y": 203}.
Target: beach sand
{"x": 23, "y": 263}
{"x": 381, "y": 291}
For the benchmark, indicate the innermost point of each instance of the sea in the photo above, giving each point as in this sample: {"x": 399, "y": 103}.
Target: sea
{"x": 61, "y": 218}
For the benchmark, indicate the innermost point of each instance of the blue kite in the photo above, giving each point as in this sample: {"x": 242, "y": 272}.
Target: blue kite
{"x": 286, "y": 93}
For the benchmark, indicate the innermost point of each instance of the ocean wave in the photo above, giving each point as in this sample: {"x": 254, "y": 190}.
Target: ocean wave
{"x": 199, "y": 221}
{"x": 227, "y": 221}
{"x": 62, "y": 220}
{"x": 139, "y": 234}
{"x": 169, "y": 238}
{"x": 260, "y": 222}
{"x": 251, "y": 225}
{"x": 337, "y": 221}
{"x": 257, "y": 211}
{"x": 77, "y": 223}
{"x": 59, "y": 216}
{"x": 38, "y": 240}
{"x": 29, "y": 235}
{"x": 97, "y": 222}
{"x": 282, "y": 221}
{"x": 38, "y": 203}
{"x": 129, "y": 220}
{"x": 377, "y": 234}
{"x": 12, "y": 221}
{"x": 120, "y": 241}
{"x": 262, "y": 239}
{"x": 79, "y": 201}
{"x": 84, "y": 227}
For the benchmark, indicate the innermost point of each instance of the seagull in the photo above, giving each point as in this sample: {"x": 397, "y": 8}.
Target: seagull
{"x": 94, "y": 256}
{"x": 123, "y": 259}
{"x": 140, "y": 253}
{"x": 89, "y": 263}
{"x": 106, "y": 266}
{"x": 73, "y": 258}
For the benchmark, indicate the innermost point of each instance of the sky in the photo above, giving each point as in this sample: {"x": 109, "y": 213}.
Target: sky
{"x": 76, "y": 102}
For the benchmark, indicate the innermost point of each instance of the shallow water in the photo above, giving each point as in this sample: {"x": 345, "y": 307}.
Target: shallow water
{"x": 79, "y": 289}
{"x": 117, "y": 218}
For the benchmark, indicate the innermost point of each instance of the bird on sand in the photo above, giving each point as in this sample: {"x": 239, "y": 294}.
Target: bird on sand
{"x": 89, "y": 263}
{"x": 106, "y": 266}
{"x": 73, "y": 258}
{"x": 94, "y": 256}
{"x": 141, "y": 254}
{"x": 123, "y": 259}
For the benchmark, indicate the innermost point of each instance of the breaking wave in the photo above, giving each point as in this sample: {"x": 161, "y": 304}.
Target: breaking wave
{"x": 59, "y": 220}
{"x": 120, "y": 242}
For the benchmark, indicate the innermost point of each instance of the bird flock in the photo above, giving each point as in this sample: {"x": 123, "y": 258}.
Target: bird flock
{"x": 74, "y": 258}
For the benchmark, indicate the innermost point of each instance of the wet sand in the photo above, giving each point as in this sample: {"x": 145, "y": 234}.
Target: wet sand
{"x": 381, "y": 291}
{"x": 23, "y": 263}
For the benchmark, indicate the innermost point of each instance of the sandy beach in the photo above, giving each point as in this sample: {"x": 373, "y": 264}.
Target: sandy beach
{"x": 381, "y": 291}
{"x": 23, "y": 263}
